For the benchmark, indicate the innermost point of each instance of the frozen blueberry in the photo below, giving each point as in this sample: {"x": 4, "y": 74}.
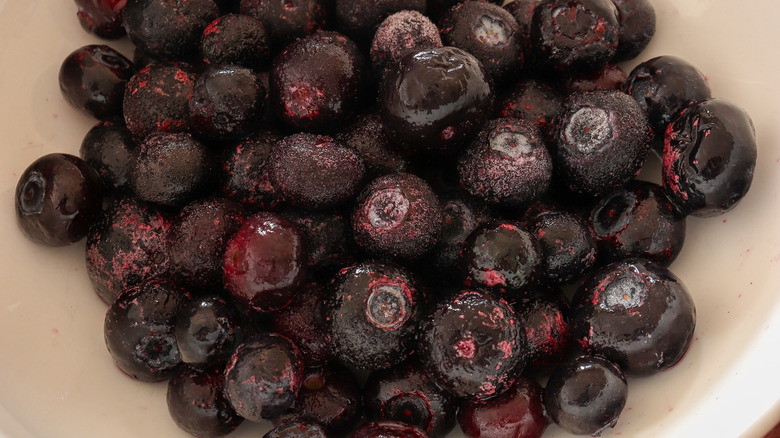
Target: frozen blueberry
{"x": 196, "y": 402}
{"x": 387, "y": 429}
{"x": 328, "y": 240}
{"x": 236, "y": 39}
{"x": 531, "y": 100}
{"x": 207, "y": 331}
{"x": 567, "y": 243}
{"x": 366, "y": 135}
{"x": 286, "y": 21}
{"x": 546, "y": 330}
{"x": 399, "y": 33}
{"x": 303, "y": 323}
{"x": 244, "y": 177}
{"x": 637, "y": 27}
{"x": 608, "y": 77}
{"x": 358, "y": 18}
{"x": 297, "y": 429}
{"x": 110, "y": 149}
{"x": 102, "y": 17}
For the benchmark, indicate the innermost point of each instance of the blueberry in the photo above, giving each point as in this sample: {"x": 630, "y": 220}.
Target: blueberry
{"x": 196, "y": 402}
{"x": 516, "y": 413}
{"x": 236, "y": 39}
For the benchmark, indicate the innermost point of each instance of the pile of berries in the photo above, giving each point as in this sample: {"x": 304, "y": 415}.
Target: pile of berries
{"x": 387, "y": 217}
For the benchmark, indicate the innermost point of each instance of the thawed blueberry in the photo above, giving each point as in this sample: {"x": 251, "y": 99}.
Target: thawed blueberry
{"x": 171, "y": 169}
{"x": 507, "y": 165}
{"x": 567, "y": 243}
{"x": 709, "y": 158}
{"x": 197, "y": 405}
{"x": 574, "y": 36}
{"x": 372, "y": 311}
{"x": 359, "y": 18}
{"x": 127, "y": 245}
{"x": 636, "y": 313}
{"x": 102, "y": 17}
{"x": 516, "y": 413}
{"x": 406, "y": 393}
{"x": 637, "y": 27}
{"x": 244, "y": 177}
{"x": 168, "y": 30}
{"x": 366, "y": 135}
{"x": 472, "y": 345}
{"x": 316, "y": 82}
{"x": 157, "y": 98}
{"x": 490, "y": 33}
{"x": 638, "y": 220}
{"x": 58, "y": 198}
{"x": 586, "y": 396}
{"x": 435, "y": 99}
{"x": 93, "y": 79}
{"x": 315, "y": 172}
{"x": 304, "y": 324}
{"x": 546, "y": 330}
{"x": 286, "y": 21}
{"x": 531, "y": 100}
{"x": 602, "y": 142}
{"x": 139, "y": 330}
{"x": 207, "y": 331}
{"x": 501, "y": 256}
{"x": 397, "y": 216}
{"x": 387, "y": 429}
{"x": 328, "y": 240}
{"x": 265, "y": 262}
{"x": 263, "y": 377}
{"x": 236, "y": 39}
{"x": 663, "y": 87}
{"x": 227, "y": 102}
{"x": 399, "y": 33}
{"x": 110, "y": 149}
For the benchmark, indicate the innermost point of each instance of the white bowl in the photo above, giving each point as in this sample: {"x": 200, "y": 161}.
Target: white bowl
{"x": 58, "y": 380}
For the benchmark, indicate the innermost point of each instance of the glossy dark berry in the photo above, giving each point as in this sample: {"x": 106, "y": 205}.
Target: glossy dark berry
{"x": 304, "y": 324}
{"x": 366, "y": 135}
{"x": 265, "y": 262}
{"x": 586, "y": 396}
{"x": 637, "y": 27}
{"x": 244, "y": 177}
{"x": 110, "y": 149}
{"x": 636, "y": 313}
{"x": 406, "y": 393}
{"x": 316, "y": 82}
{"x": 472, "y": 345}
{"x": 397, "y": 216}
{"x": 58, "y": 197}
{"x": 127, "y": 245}
{"x": 546, "y": 331}
{"x": 608, "y": 77}
{"x": 171, "y": 169}
{"x": 102, "y": 17}
{"x": 372, "y": 311}
{"x": 517, "y": 413}
{"x": 168, "y": 30}
{"x": 315, "y": 172}
{"x": 663, "y": 87}
{"x": 531, "y": 100}
{"x": 387, "y": 429}
{"x": 263, "y": 377}
{"x": 227, "y": 102}
{"x": 359, "y": 18}
{"x": 490, "y": 33}
{"x": 207, "y": 331}
{"x": 139, "y": 330}
{"x": 709, "y": 158}
{"x": 329, "y": 396}
{"x": 399, "y": 33}
{"x": 507, "y": 165}
{"x": 297, "y": 429}
{"x": 93, "y": 79}
{"x": 157, "y": 99}
{"x": 197, "y": 405}
{"x": 435, "y": 99}
{"x": 567, "y": 243}
{"x": 328, "y": 240}
{"x": 638, "y": 220}
{"x": 236, "y": 39}
{"x": 574, "y": 36}
{"x": 501, "y": 256}
{"x": 286, "y": 21}
{"x": 602, "y": 142}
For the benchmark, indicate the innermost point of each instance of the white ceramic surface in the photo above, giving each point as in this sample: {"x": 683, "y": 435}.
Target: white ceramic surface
{"x": 57, "y": 379}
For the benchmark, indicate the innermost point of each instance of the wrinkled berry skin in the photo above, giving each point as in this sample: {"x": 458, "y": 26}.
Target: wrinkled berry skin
{"x": 472, "y": 345}
{"x": 102, "y": 17}
{"x": 574, "y": 36}
{"x": 304, "y": 324}
{"x": 168, "y": 30}
{"x": 93, "y": 78}
{"x": 636, "y": 313}
{"x": 397, "y": 216}
{"x": 263, "y": 377}
{"x": 638, "y": 220}
{"x": 236, "y": 39}
{"x": 406, "y": 393}
{"x": 709, "y": 158}
{"x": 286, "y": 21}
{"x": 387, "y": 429}
{"x": 517, "y": 413}
{"x": 567, "y": 244}
{"x": 127, "y": 245}
{"x": 58, "y": 197}
{"x": 435, "y": 100}
{"x": 586, "y": 396}
{"x": 315, "y": 82}
{"x": 207, "y": 331}
{"x": 371, "y": 312}
{"x": 265, "y": 262}
{"x": 139, "y": 330}
{"x": 637, "y": 27}
{"x": 602, "y": 142}
{"x": 197, "y": 405}
{"x": 110, "y": 149}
